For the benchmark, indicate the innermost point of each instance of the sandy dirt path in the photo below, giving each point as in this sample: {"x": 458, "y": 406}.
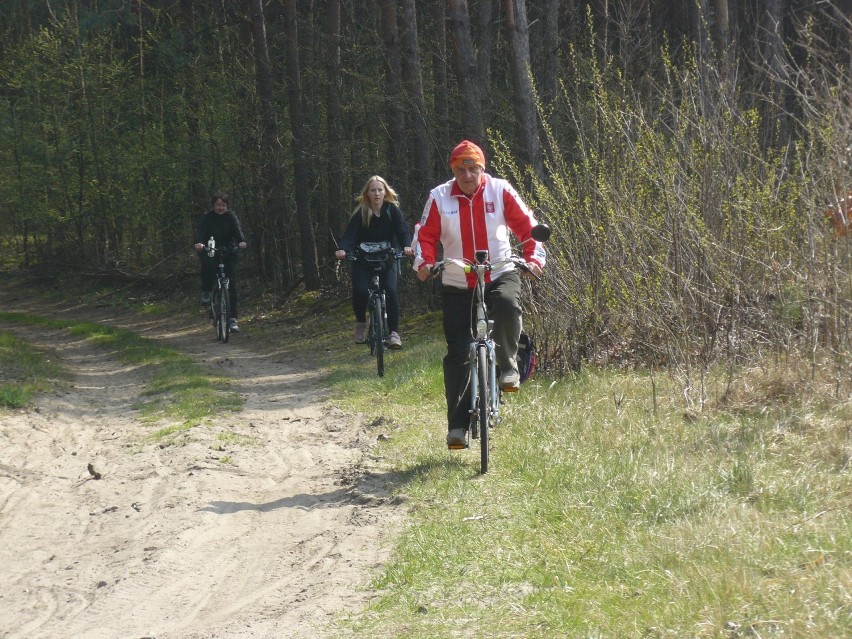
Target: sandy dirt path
{"x": 174, "y": 542}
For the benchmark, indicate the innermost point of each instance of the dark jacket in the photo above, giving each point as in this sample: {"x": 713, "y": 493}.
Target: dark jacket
{"x": 225, "y": 229}
{"x": 389, "y": 226}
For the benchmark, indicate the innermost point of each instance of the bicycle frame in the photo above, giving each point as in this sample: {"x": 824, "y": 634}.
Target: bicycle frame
{"x": 482, "y": 337}
{"x": 220, "y": 301}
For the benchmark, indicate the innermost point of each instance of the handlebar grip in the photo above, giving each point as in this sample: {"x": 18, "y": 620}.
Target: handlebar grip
{"x": 521, "y": 264}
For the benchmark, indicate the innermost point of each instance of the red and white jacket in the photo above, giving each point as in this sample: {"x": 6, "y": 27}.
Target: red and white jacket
{"x": 465, "y": 224}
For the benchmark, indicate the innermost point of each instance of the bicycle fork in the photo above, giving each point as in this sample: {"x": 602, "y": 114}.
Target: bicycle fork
{"x": 380, "y": 323}
{"x": 491, "y": 366}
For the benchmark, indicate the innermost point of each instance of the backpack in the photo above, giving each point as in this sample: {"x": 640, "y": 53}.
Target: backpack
{"x": 526, "y": 357}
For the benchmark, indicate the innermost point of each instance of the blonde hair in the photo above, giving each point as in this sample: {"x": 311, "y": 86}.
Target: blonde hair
{"x": 363, "y": 199}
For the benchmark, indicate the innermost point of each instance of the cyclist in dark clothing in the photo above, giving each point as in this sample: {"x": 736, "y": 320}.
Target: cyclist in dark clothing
{"x": 377, "y": 218}
{"x": 223, "y": 226}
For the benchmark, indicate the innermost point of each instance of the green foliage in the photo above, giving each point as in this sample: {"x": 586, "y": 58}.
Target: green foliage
{"x": 97, "y": 155}
{"x": 683, "y": 209}
{"x": 678, "y": 232}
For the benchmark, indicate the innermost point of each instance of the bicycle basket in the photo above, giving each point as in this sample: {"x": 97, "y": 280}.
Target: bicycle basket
{"x": 375, "y": 251}
{"x": 526, "y": 357}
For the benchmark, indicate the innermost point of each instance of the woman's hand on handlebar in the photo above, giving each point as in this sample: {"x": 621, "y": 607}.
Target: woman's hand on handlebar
{"x": 199, "y": 246}
{"x": 243, "y": 245}
{"x": 340, "y": 254}
{"x": 409, "y": 252}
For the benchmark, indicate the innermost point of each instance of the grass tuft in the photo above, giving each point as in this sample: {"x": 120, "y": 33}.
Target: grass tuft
{"x": 24, "y": 371}
{"x": 176, "y": 390}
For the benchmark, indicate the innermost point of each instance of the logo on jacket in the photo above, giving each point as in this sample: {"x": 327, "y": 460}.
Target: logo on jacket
{"x": 489, "y": 207}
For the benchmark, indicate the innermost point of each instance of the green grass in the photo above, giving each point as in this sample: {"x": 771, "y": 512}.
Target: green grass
{"x": 605, "y": 515}
{"x": 24, "y": 371}
{"x": 176, "y": 390}
{"x": 610, "y": 511}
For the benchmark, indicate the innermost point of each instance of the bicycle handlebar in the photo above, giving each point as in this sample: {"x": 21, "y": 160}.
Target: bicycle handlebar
{"x": 223, "y": 251}
{"x": 470, "y": 266}
{"x": 381, "y": 256}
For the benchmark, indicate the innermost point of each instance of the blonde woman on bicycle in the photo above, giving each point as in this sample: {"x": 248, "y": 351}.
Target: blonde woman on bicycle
{"x": 377, "y": 218}
{"x": 475, "y": 211}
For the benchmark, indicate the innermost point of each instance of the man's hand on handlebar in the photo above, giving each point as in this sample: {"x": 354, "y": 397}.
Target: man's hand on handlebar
{"x": 425, "y": 272}
{"x": 533, "y": 269}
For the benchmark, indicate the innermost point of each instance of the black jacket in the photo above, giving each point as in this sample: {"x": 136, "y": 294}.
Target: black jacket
{"x": 389, "y": 226}
{"x": 225, "y": 229}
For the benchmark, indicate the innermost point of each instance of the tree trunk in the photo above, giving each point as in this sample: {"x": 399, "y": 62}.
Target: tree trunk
{"x": 525, "y": 107}
{"x": 310, "y": 266}
{"x": 393, "y": 87}
{"x": 773, "y": 55}
{"x": 485, "y": 39}
{"x": 418, "y": 126}
{"x": 273, "y": 239}
{"x": 195, "y": 184}
{"x": 334, "y": 217}
{"x": 440, "y": 103}
{"x": 466, "y": 70}
{"x": 549, "y": 53}
{"x": 723, "y": 25}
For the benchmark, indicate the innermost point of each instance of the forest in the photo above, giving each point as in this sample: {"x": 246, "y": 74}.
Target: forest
{"x": 694, "y": 158}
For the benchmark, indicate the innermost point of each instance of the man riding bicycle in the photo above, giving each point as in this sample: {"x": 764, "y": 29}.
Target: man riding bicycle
{"x": 223, "y": 226}
{"x": 475, "y": 211}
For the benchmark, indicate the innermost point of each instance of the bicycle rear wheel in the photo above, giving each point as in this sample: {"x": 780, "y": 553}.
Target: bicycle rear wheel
{"x": 483, "y": 406}
{"x": 378, "y": 344}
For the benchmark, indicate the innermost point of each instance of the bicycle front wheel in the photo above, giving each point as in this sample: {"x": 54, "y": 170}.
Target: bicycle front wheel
{"x": 225, "y": 314}
{"x": 483, "y": 405}
{"x": 216, "y": 312}
{"x": 376, "y": 321}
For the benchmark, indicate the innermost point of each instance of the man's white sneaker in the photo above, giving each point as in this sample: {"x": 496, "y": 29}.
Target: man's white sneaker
{"x": 510, "y": 381}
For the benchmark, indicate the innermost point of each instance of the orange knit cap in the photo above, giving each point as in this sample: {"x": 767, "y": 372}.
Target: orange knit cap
{"x": 466, "y": 153}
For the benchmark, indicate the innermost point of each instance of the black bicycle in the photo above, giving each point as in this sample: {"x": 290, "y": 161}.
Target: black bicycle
{"x": 220, "y": 302}
{"x": 377, "y": 257}
{"x": 485, "y": 393}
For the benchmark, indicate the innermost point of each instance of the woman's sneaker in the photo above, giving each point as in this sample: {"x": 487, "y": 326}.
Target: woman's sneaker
{"x": 232, "y": 325}
{"x": 394, "y": 341}
{"x": 360, "y": 333}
